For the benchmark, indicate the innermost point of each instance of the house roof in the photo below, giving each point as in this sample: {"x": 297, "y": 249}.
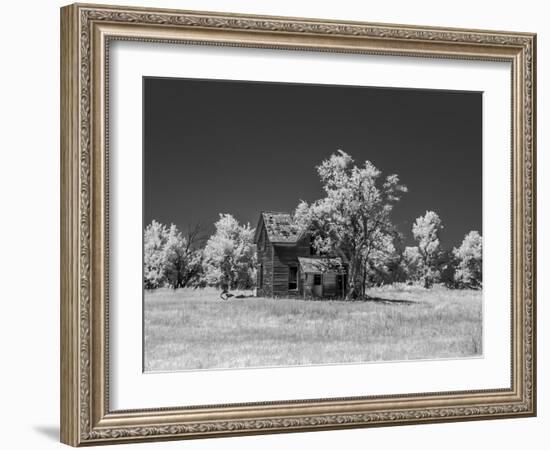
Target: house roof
{"x": 280, "y": 228}
{"x": 321, "y": 265}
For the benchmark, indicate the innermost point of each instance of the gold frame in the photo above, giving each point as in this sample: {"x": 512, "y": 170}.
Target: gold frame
{"x": 86, "y": 31}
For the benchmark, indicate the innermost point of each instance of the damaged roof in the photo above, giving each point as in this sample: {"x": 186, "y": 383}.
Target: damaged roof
{"x": 280, "y": 228}
{"x": 321, "y": 265}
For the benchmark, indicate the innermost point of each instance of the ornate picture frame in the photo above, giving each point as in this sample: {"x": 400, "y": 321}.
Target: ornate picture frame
{"x": 86, "y": 34}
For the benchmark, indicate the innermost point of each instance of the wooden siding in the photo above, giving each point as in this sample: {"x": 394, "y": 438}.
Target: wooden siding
{"x": 285, "y": 256}
{"x": 329, "y": 283}
{"x": 307, "y": 284}
{"x": 276, "y": 260}
{"x": 265, "y": 261}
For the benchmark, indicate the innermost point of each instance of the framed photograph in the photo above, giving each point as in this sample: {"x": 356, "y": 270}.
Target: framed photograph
{"x": 273, "y": 224}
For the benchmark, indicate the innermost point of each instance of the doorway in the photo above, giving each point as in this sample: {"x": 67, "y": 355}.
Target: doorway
{"x": 317, "y": 285}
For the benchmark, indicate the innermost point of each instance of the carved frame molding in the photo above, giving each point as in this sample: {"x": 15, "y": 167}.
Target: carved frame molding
{"x": 86, "y": 31}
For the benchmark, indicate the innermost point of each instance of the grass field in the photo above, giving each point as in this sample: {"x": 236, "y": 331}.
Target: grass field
{"x": 194, "y": 329}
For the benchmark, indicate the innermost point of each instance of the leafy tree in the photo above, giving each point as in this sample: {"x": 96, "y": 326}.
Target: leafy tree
{"x": 447, "y": 266}
{"x": 170, "y": 258}
{"x": 230, "y": 255}
{"x": 353, "y": 219}
{"x": 426, "y": 230}
{"x": 154, "y": 237}
{"x": 469, "y": 261}
{"x": 183, "y": 263}
{"x": 383, "y": 265}
{"x": 412, "y": 264}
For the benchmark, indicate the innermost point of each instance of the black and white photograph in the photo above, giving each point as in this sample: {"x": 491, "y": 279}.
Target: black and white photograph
{"x": 243, "y": 225}
{"x": 295, "y": 224}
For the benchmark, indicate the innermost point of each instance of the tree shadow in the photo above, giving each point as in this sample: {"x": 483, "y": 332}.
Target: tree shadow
{"x": 375, "y": 300}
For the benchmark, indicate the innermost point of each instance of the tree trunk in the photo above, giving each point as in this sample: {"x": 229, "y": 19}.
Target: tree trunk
{"x": 354, "y": 280}
{"x": 363, "y": 279}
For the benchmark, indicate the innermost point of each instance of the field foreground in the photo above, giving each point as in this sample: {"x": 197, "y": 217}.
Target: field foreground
{"x": 193, "y": 329}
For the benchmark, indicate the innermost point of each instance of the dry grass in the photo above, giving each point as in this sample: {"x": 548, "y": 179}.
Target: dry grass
{"x": 194, "y": 329}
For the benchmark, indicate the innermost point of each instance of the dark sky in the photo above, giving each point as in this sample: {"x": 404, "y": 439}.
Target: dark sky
{"x": 242, "y": 147}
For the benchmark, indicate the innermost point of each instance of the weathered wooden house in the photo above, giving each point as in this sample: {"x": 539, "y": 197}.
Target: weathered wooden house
{"x": 287, "y": 265}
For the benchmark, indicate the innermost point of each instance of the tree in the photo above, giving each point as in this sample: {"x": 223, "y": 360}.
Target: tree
{"x": 383, "y": 265}
{"x": 230, "y": 255}
{"x": 154, "y": 240}
{"x": 426, "y": 230}
{"x": 447, "y": 264}
{"x": 412, "y": 263}
{"x": 183, "y": 262}
{"x": 353, "y": 220}
{"x": 169, "y": 257}
{"x": 469, "y": 261}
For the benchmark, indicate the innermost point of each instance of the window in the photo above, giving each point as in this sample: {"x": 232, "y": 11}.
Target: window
{"x": 317, "y": 279}
{"x": 293, "y": 279}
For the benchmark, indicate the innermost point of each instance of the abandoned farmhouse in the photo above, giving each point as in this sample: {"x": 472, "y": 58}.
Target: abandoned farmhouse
{"x": 287, "y": 265}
